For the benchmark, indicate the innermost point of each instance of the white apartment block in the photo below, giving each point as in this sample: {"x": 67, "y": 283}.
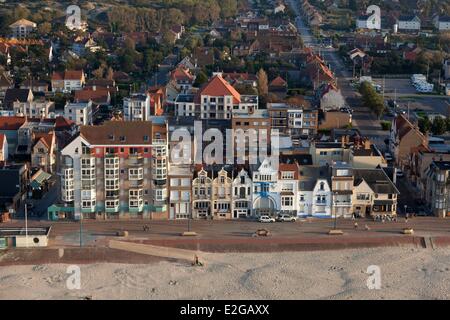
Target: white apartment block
{"x": 136, "y": 107}
{"x": 33, "y": 109}
{"x": 80, "y": 113}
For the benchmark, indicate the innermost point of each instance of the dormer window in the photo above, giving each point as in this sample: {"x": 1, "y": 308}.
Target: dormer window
{"x": 111, "y": 137}
{"x": 122, "y": 138}
{"x": 146, "y": 139}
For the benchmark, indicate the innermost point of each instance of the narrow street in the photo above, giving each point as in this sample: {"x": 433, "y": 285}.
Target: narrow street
{"x": 363, "y": 119}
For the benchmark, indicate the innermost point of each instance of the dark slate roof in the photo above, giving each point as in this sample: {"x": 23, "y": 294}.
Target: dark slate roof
{"x": 442, "y": 165}
{"x": 377, "y": 179}
{"x": 300, "y": 159}
{"x": 308, "y": 176}
{"x": 407, "y": 18}
{"x": 15, "y": 94}
{"x": 444, "y": 19}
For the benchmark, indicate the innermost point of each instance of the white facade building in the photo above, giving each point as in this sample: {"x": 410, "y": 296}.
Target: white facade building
{"x": 80, "y": 113}
{"x": 242, "y": 195}
{"x": 136, "y": 107}
{"x": 409, "y": 23}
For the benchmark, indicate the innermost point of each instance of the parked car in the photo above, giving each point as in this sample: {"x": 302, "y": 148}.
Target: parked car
{"x": 286, "y": 218}
{"x": 399, "y": 173}
{"x": 266, "y": 219}
{"x": 388, "y": 156}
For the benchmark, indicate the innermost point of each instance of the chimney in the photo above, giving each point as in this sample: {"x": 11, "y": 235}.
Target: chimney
{"x": 343, "y": 141}
{"x": 367, "y": 144}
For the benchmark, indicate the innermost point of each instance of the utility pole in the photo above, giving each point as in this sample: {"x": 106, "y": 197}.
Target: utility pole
{"x": 26, "y": 223}
{"x": 81, "y": 229}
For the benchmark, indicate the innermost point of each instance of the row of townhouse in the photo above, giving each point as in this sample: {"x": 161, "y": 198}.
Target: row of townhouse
{"x": 121, "y": 169}
{"x": 303, "y": 191}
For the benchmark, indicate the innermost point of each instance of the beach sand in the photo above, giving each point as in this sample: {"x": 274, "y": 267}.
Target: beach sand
{"x": 406, "y": 273}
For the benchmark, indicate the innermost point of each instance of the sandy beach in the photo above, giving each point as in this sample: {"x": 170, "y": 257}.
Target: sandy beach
{"x": 406, "y": 273}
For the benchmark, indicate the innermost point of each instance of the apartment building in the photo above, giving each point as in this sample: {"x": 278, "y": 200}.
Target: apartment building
{"x": 34, "y": 109}
{"x": 180, "y": 191}
{"x": 215, "y": 100}
{"x": 293, "y": 120}
{"x": 22, "y": 28}
{"x": 136, "y": 107}
{"x": 80, "y": 113}
{"x": 327, "y": 152}
{"x": 116, "y": 170}
{"x": 342, "y": 189}
{"x": 256, "y": 127}
{"x": 438, "y": 191}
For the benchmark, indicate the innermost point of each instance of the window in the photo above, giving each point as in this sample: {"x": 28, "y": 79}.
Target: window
{"x": 302, "y": 198}
{"x": 287, "y": 175}
{"x": 287, "y": 201}
{"x": 322, "y": 186}
{"x": 136, "y": 173}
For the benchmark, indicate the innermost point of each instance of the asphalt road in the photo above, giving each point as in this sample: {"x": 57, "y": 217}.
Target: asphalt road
{"x": 363, "y": 119}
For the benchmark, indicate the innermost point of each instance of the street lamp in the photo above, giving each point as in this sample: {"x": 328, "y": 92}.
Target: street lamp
{"x": 335, "y": 213}
{"x": 81, "y": 229}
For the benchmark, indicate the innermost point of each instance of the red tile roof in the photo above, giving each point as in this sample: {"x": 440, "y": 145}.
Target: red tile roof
{"x": 278, "y": 82}
{"x": 2, "y": 139}
{"x": 182, "y": 74}
{"x": 218, "y": 87}
{"x": 62, "y": 123}
{"x": 99, "y": 95}
{"x": 11, "y": 123}
{"x": 46, "y": 138}
{"x": 68, "y": 75}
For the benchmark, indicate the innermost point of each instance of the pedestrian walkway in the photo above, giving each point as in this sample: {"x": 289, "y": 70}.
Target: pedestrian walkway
{"x": 163, "y": 252}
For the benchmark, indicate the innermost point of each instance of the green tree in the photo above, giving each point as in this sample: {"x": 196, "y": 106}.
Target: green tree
{"x": 424, "y": 124}
{"x": 200, "y": 79}
{"x": 439, "y": 126}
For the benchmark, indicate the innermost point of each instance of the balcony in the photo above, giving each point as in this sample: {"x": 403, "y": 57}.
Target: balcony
{"x": 136, "y": 160}
{"x": 137, "y": 183}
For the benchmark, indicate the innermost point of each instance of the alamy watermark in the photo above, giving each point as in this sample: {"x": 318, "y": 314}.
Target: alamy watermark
{"x": 73, "y": 17}
{"x": 239, "y": 146}
{"x": 374, "y": 280}
{"x": 73, "y": 282}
